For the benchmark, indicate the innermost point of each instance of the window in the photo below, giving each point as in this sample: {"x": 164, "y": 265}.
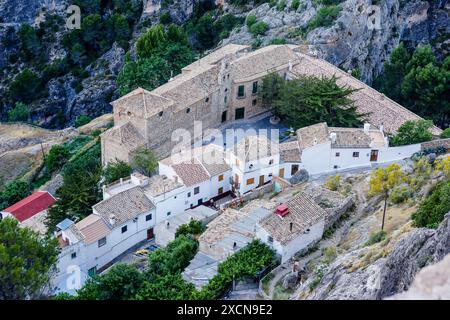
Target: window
{"x": 270, "y": 161}
{"x": 161, "y": 113}
{"x": 335, "y": 167}
{"x": 255, "y": 87}
{"x": 241, "y": 92}
{"x": 124, "y": 229}
{"x": 355, "y": 154}
{"x": 237, "y": 162}
{"x": 250, "y": 181}
{"x": 189, "y": 194}
{"x": 338, "y": 154}
{"x": 102, "y": 242}
{"x": 226, "y": 89}
{"x": 254, "y": 102}
{"x": 225, "y": 99}
{"x": 73, "y": 255}
{"x": 169, "y": 213}
{"x": 228, "y": 76}
{"x": 188, "y": 110}
{"x": 148, "y": 217}
{"x": 269, "y": 239}
{"x": 221, "y": 177}
{"x": 196, "y": 190}
{"x": 207, "y": 99}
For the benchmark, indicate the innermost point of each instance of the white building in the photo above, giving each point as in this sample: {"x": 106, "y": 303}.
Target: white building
{"x": 293, "y": 226}
{"x": 326, "y": 149}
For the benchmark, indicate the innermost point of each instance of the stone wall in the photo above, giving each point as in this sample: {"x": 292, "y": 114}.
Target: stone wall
{"x": 337, "y": 212}
{"x": 436, "y": 143}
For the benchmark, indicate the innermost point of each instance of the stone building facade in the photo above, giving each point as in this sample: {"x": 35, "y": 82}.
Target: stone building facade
{"x": 222, "y": 87}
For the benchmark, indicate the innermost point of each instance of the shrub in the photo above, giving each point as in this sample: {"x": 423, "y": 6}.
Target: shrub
{"x": 446, "y": 133}
{"x": 259, "y": 28}
{"x": 194, "y": 227}
{"x": 400, "y": 194}
{"x": 333, "y": 182}
{"x": 376, "y": 237}
{"x": 295, "y": 4}
{"x": 281, "y": 5}
{"x": 330, "y": 253}
{"x": 433, "y": 209}
{"x": 82, "y": 120}
{"x": 20, "y": 112}
{"x": 165, "y": 18}
{"x": 56, "y": 158}
{"x": 251, "y": 20}
{"x": 116, "y": 170}
{"x": 144, "y": 161}
{"x": 277, "y": 41}
{"x": 412, "y": 132}
{"x": 324, "y": 17}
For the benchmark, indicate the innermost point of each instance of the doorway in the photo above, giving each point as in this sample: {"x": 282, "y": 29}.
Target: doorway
{"x": 150, "y": 234}
{"x": 240, "y": 113}
{"x": 224, "y": 116}
{"x": 294, "y": 169}
{"x": 281, "y": 174}
{"x": 374, "y": 155}
{"x": 261, "y": 181}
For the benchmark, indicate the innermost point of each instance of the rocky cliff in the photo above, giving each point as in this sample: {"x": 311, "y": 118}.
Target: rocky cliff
{"x": 384, "y": 272}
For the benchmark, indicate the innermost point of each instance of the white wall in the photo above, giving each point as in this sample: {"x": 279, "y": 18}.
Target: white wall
{"x": 316, "y": 159}
{"x": 299, "y": 243}
{"x": 397, "y": 153}
{"x": 346, "y": 159}
{"x": 215, "y": 184}
{"x": 204, "y": 194}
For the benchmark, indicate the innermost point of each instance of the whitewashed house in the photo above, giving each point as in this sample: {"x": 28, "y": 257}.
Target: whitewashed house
{"x": 293, "y": 226}
{"x": 326, "y": 149}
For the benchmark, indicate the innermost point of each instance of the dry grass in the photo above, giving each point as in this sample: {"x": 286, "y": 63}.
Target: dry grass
{"x": 21, "y": 131}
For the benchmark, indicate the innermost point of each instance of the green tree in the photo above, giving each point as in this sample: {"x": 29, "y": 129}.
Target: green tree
{"x": 194, "y": 228}
{"x": 30, "y": 43}
{"x": 121, "y": 282}
{"x": 56, "y": 158}
{"x": 445, "y": 134}
{"x": 14, "y": 192}
{"x": 82, "y": 120}
{"x": 25, "y": 87}
{"x": 116, "y": 170}
{"x": 325, "y": 17}
{"x": 383, "y": 181}
{"x": 308, "y": 100}
{"x": 412, "y": 132}
{"x": 166, "y": 287}
{"x": 27, "y": 261}
{"x": 144, "y": 161}
{"x": 432, "y": 210}
{"x": 20, "y": 112}
{"x": 80, "y": 189}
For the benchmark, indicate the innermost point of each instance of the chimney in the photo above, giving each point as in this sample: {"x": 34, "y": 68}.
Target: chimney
{"x": 333, "y": 137}
{"x": 366, "y": 128}
{"x": 112, "y": 219}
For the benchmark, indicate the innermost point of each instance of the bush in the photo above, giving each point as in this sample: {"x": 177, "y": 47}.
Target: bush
{"x": 433, "y": 209}
{"x": 20, "y": 112}
{"x": 281, "y": 5}
{"x": 333, "y": 182}
{"x": 412, "y": 132}
{"x": 144, "y": 161}
{"x": 14, "y": 192}
{"x": 194, "y": 227}
{"x": 251, "y": 20}
{"x": 324, "y": 17}
{"x": 376, "y": 237}
{"x": 295, "y": 4}
{"x": 445, "y": 134}
{"x": 82, "y": 120}
{"x": 400, "y": 194}
{"x": 165, "y": 18}
{"x": 56, "y": 158}
{"x": 259, "y": 28}
{"x": 116, "y": 170}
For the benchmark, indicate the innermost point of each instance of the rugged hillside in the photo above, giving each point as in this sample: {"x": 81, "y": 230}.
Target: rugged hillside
{"x": 349, "y": 41}
{"x": 63, "y": 90}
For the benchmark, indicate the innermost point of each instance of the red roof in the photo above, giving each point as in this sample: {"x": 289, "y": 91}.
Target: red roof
{"x": 282, "y": 210}
{"x": 31, "y": 205}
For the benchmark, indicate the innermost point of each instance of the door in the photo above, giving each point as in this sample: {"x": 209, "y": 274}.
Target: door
{"x": 294, "y": 169}
{"x": 150, "y": 234}
{"x": 220, "y": 191}
{"x": 281, "y": 174}
{"x": 92, "y": 271}
{"x": 261, "y": 181}
{"x": 224, "y": 116}
{"x": 374, "y": 155}
{"x": 200, "y": 202}
{"x": 240, "y": 113}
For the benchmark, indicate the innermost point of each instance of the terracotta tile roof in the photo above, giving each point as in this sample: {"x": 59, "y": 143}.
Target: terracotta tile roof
{"x": 127, "y": 135}
{"x": 381, "y": 109}
{"x": 212, "y": 158}
{"x": 125, "y": 205}
{"x": 350, "y": 138}
{"x": 217, "y": 55}
{"x": 31, "y": 205}
{"x": 91, "y": 229}
{"x": 262, "y": 61}
{"x": 312, "y": 135}
{"x": 290, "y": 151}
{"x": 159, "y": 185}
{"x": 191, "y": 172}
{"x": 255, "y": 147}
{"x": 303, "y": 214}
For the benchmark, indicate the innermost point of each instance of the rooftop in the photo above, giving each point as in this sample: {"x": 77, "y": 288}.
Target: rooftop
{"x": 255, "y": 147}
{"x": 31, "y": 205}
{"x": 290, "y": 151}
{"x": 126, "y": 134}
{"x": 124, "y": 206}
{"x": 303, "y": 213}
{"x": 159, "y": 185}
{"x": 91, "y": 229}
